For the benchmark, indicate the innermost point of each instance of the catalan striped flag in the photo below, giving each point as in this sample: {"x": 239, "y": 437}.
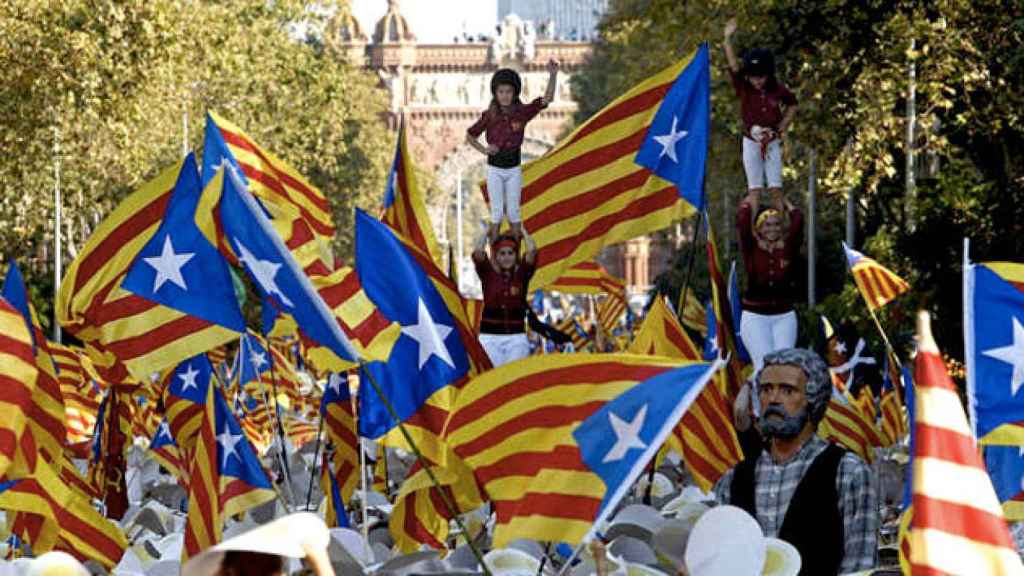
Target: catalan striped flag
{"x": 52, "y": 515}
{"x": 705, "y": 437}
{"x": 124, "y": 330}
{"x": 80, "y": 392}
{"x": 571, "y": 325}
{"x": 300, "y": 431}
{"x": 893, "y": 417}
{"x": 46, "y": 416}
{"x": 877, "y": 284}
{"x": 335, "y": 515}
{"x": 556, "y": 440}
{"x": 437, "y": 351}
{"x": 958, "y": 525}
{"x": 339, "y": 419}
{"x": 606, "y": 181}
{"x": 609, "y": 313}
{"x": 725, "y": 332}
{"x": 589, "y": 278}
{"x": 693, "y": 314}
{"x": 18, "y": 375}
{"x": 420, "y": 516}
{"x": 404, "y": 209}
{"x": 184, "y": 398}
{"x": 205, "y": 523}
{"x": 267, "y": 176}
{"x": 847, "y": 425}
{"x": 474, "y": 313}
{"x": 993, "y": 341}
{"x": 163, "y": 449}
{"x": 865, "y": 402}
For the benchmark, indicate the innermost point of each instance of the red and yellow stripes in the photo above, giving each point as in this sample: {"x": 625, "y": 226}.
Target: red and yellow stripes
{"x": 404, "y": 210}
{"x": 589, "y": 278}
{"x": 204, "y": 525}
{"x": 705, "y": 437}
{"x": 513, "y": 427}
{"x": 877, "y": 284}
{"x": 588, "y": 193}
{"x": 848, "y": 426}
{"x": 958, "y": 525}
{"x": 725, "y": 324}
{"x": 340, "y": 423}
{"x": 18, "y": 374}
{"x": 609, "y": 312}
{"x": 694, "y": 315}
{"x": 81, "y": 397}
{"x": 271, "y": 178}
{"x": 121, "y": 326}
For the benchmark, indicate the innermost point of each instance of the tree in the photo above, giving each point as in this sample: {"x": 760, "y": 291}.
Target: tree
{"x": 110, "y": 82}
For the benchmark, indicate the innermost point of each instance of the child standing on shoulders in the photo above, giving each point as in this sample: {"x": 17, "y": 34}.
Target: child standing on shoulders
{"x": 767, "y": 108}
{"x": 504, "y": 122}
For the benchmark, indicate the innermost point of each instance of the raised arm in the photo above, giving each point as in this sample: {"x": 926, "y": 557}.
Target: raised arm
{"x": 549, "y": 93}
{"x": 730, "y": 56}
{"x": 530, "y": 256}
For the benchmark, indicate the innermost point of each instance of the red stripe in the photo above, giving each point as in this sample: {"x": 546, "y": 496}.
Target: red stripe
{"x": 945, "y": 444}
{"x": 125, "y": 232}
{"x": 545, "y": 417}
{"x": 598, "y": 228}
{"x": 240, "y": 141}
{"x": 14, "y": 392}
{"x": 8, "y": 442}
{"x": 429, "y": 417}
{"x": 161, "y": 335}
{"x": 589, "y": 374}
{"x": 866, "y": 285}
{"x": 966, "y": 521}
{"x": 679, "y": 340}
{"x": 101, "y": 312}
{"x": 856, "y": 436}
{"x": 414, "y": 528}
{"x": 554, "y": 506}
{"x": 529, "y": 464}
{"x": 625, "y": 109}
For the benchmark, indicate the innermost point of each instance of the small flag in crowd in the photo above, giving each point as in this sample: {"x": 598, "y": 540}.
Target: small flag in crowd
{"x": 877, "y": 284}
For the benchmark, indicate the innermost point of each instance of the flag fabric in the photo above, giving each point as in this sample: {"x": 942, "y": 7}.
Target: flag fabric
{"x": 335, "y": 515}
{"x": 893, "y": 417}
{"x": 721, "y": 311}
{"x": 184, "y": 398}
{"x": 52, "y": 515}
{"x": 267, "y": 176}
{"x": 46, "y": 415}
{"x": 121, "y": 330}
{"x": 847, "y": 425}
{"x": 705, "y": 437}
{"x": 589, "y": 278}
{"x": 877, "y": 284}
{"x": 166, "y": 452}
{"x": 205, "y": 522}
{"x": 436, "y": 350}
{"x": 1005, "y": 465}
{"x": 736, "y": 306}
{"x": 339, "y": 420}
{"x": 693, "y": 314}
{"x": 404, "y": 209}
{"x": 80, "y": 390}
{"x": 571, "y": 325}
{"x": 994, "y": 350}
{"x": 609, "y": 313}
{"x": 243, "y": 481}
{"x": 556, "y": 440}
{"x": 274, "y": 269}
{"x": 958, "y": 525}
{"x": 621, "y": 173}
{"x": 18, "y": 375}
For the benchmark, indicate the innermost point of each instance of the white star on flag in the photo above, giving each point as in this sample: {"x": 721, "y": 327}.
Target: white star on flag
{"x": 627, "y": 435}
{"x": 668, "y": 141}
{"x": 188, "y": 379}
{"x": 1012, "y": 354}
{"x": 264, "y": 271}
{"x": 227, "y": 442}
{"x": 429, "y": 336}
{"x": 168, "y": 266}
{"x": 334, "y": 383}
{"x": 164, "y": 430}
{"x": 257, "y": 359}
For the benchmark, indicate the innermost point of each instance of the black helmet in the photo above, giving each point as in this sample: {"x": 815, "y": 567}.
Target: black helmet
{"x": 758, "y": 62}
{"x": 506, "y": 76}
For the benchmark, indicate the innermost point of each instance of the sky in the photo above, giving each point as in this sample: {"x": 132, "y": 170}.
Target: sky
{"x": 433, "y": 21}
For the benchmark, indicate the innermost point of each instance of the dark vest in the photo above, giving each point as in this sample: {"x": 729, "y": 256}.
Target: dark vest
{"x": 813, "y": 524}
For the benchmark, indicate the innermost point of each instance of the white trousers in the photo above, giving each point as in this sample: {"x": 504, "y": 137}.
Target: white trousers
{"x": 766, "y": 333}
{"x": 505, "y": 348}
{"x": 757, "y": 167}
{"x": 504, "y": 186}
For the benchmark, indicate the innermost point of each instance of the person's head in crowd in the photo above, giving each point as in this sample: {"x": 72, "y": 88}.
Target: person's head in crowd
{"x": 506, "y": 251}
{"x": 759, "y": 68}
{"x": 56, "y": 563}
{"x": 769, "y": 225}
{"x": 794, "y": 389}
{"x": 244, "y": 563}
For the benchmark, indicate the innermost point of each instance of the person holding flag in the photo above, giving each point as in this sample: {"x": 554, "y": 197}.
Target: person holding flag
{"x": 505, "y": 278}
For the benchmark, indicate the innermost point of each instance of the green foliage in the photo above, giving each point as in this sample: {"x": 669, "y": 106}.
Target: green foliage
{"x": 112, "y": 81}
{"x": 848, "y": 62}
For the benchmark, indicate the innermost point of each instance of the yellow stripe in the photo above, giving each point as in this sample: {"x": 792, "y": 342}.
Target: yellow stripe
{"x": 1005, "y": 435}
{"x": 542, "y": 528}
{"x": 560, "y": 482}
{"x": 951, "y": 554}
{"x": 1013, "y": 510}
{"x": 1007, "y": 270}
{"x": 950, "y": 482}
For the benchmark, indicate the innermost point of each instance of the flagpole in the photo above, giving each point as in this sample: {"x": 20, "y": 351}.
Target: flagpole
{"x": 362, "y": 479}
{"x": 885, "y": 337}
{"x": 425, "y": 464}
{"x": 316, "y": 461}
{"x": 56, "y": 231}
{"x": 689, "y": 267}
{"x": 277, "y": 416}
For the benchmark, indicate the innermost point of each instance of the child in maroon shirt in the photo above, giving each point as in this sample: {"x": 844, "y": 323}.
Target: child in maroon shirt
{"x": 767, "y": 108}
{"x": 504, "y": 122}
{"x": 505, "y": 279}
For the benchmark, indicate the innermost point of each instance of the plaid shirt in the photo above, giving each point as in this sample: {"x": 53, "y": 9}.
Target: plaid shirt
{"x": 775, "y": 485}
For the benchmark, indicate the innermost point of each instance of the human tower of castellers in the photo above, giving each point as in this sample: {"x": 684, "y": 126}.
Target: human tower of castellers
{"x": 795, "y": 504}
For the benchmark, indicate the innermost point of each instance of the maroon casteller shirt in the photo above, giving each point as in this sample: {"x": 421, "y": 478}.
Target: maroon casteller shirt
{"x": 504, "y": 296}
{"x": 770, "y": 274}
{"x": 761, "y": 107}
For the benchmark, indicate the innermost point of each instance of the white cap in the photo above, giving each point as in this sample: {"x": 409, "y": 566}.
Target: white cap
{"x": 726, "y": 541}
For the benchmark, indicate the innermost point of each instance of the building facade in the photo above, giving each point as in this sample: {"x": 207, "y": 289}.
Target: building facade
{"x": 558, "y": 19}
